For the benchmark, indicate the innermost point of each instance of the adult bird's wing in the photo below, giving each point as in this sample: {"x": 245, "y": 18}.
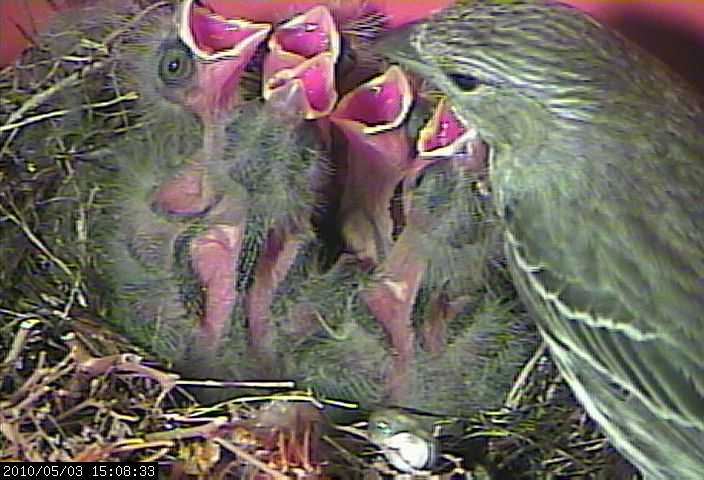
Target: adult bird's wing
{"x": 614, "y": 276}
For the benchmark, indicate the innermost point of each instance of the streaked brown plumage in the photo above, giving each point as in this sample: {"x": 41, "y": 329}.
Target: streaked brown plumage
{"x": 597, "y": 168}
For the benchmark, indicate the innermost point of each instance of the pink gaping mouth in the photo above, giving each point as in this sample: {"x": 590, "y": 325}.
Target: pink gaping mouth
{"x": 381, "y": 104}
{"x": 222, "y": 48}
{"x": 211, "y": 36}
{"x": 314, "y": 81}
{"x": 304, "y": 50}
{"x": 445, "y": 134}
{"x": 307, "y": 35}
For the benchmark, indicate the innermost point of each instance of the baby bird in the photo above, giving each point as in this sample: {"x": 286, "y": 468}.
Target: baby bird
{"x": 171, "y": 233}
{"x": 406, "y": 441}
{"x": 203, "y": 249}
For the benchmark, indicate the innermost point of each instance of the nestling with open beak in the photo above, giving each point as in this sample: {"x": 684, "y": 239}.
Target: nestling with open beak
{"x": 173, "y": 233}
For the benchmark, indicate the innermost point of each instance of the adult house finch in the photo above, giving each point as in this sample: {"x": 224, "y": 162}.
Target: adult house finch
{"x": 596, "y": 166}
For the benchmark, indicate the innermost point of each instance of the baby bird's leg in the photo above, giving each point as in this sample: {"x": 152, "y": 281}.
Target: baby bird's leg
{"x": 443, "y": 309}
{"x": 215, "y": 253}
{"x": 280, "y": 252}
{"x": 214, "y": 258}
{"x": 298, "y": 86}
{"x": 391, "y": 302}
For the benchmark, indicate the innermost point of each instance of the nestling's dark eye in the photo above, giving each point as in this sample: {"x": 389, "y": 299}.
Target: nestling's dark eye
{"x": 465, "y": 82}
{"x": 384, "y": 428}
{"x": 176, "y": 64}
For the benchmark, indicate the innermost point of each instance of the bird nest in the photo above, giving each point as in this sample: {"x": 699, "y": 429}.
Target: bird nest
{"x": 73, "y": 389}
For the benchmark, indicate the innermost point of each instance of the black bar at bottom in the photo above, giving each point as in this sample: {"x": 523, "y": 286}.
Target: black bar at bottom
{"x": 79, "y": 470}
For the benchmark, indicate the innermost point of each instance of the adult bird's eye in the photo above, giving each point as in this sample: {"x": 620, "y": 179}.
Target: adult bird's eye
{"x": 176, "y": 65}
{"x": 463, "y": 81}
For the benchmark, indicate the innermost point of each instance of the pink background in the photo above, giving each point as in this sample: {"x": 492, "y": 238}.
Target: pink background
{"x": 673, "y": 30}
